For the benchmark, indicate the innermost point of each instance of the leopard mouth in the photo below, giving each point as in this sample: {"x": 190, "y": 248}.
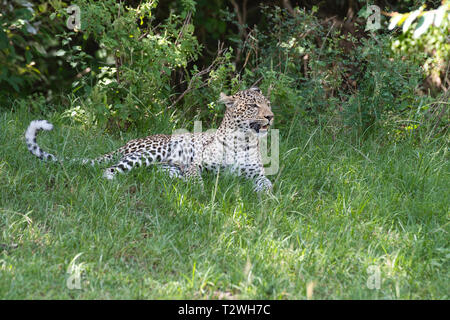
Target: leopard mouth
{"x": 258, "y": 127}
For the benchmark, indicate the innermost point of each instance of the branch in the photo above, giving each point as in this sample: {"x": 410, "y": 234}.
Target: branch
{"x": 220, "y": 51}
{"x": 242, "y": 18}
{"x": 287, "y": 5}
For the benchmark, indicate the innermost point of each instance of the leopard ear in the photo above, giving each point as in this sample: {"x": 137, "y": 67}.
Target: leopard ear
{"x": 227, "y": 100}
{"x": 256, "y": 89}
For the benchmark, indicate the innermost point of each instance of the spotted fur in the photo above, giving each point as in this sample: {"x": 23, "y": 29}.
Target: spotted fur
{"x": 234, "y": 146}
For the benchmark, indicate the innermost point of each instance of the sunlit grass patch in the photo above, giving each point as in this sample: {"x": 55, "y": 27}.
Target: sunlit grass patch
{"x": 341, "y": 209}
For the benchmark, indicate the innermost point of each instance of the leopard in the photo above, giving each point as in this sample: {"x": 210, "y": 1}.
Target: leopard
{"x": 234, "y": 146}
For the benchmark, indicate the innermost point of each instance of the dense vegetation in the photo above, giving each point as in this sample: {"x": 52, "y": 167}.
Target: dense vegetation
{"x": 363, "y": 119}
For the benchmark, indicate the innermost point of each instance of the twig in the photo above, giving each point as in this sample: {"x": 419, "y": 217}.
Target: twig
{"x": 142, "y": 36}
{"x": 389, "y": 14}
{"x": 441, "y": 113}
{"x": 241, "y": 21}
{"x": 287, "y": 5}
{"x": 220, "y": 51}
{"x": 185, "y": 23}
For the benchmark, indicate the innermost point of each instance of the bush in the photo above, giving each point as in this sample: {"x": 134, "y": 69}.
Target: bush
{"x": 384, "y": 84}
{"x": 424, "y": 38}
{"x": 29, "y": 59}
{"x": 312, "y": 69}
{"x": 128, "y": 64}
{"x": 139, "y": 59}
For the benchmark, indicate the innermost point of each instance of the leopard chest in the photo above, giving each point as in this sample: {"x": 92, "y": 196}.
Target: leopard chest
{"x": 233, "y": 153}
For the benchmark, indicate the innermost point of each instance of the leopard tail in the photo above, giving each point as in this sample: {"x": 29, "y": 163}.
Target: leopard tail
{"x": 30, "y": 137}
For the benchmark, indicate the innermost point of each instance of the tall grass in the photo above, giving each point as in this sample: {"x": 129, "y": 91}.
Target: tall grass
{"x": 340, "y": 208}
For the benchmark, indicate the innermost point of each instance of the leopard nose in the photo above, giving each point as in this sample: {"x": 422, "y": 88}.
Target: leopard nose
{"x": 269, "y": 118}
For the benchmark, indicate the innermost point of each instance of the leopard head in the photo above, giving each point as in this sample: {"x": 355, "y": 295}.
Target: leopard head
{"x": 248, "y": 110}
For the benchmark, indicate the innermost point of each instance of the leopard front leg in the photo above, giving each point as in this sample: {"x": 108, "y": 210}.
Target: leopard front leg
{"x": 129, "y": 162}
{"x": 174, "y": 171}
{"x": 256, "y": 174}
{"x": 193, "y": 173}
{"x": 262, "y": 183}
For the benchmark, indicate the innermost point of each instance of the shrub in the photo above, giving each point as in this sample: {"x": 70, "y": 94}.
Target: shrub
{"x": 29, "y": 59}
{"x": 424, "y": 38}
{"x": 312, "y": 69}
{"x": 139, "y": 59}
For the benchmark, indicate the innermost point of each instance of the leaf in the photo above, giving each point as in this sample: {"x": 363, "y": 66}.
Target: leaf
{"x": 3, "y": 40}
{"x": 30, "y": 29}
{"x": 60, "y": 53}
{"x": 439, "y": 16}
{"x": 425, "y": 21}
{"x": 394, "y": 20}
{"x": 411, "y": 17}
{"x": 28, "y": 56}
{"x": 43, "y": 7}
{"x": 39, "y": 48}
{"x": 13, "y": 83}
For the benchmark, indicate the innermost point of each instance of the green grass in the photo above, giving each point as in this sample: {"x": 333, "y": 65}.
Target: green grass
{"x": 339, "y": 206}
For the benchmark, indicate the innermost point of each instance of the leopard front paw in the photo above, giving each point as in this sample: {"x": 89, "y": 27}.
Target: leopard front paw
{"x": 109, "y": 173}
{"x": 263, "y": 184}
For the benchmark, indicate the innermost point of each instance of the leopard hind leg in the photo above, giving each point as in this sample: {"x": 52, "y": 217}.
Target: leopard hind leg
{"x": 173, "y": 170}
{"x": 139, "y": 159}
{"x": 127, "y": 163}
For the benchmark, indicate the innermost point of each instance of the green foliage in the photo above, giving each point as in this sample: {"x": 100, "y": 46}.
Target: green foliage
{"x": 129, "y": 64}
{"x": 29, "y": 59}
{"x": 204, "y": 87}
{"x": 385, "y": 85}
{"x": 363, "y": 155}
{"x": 309, "y": 72}
{"x": 424, "y": 38}
{"x": 140, "y": 59}
{"x": 339, "y": 206}
{"x": 288, "y": 62}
